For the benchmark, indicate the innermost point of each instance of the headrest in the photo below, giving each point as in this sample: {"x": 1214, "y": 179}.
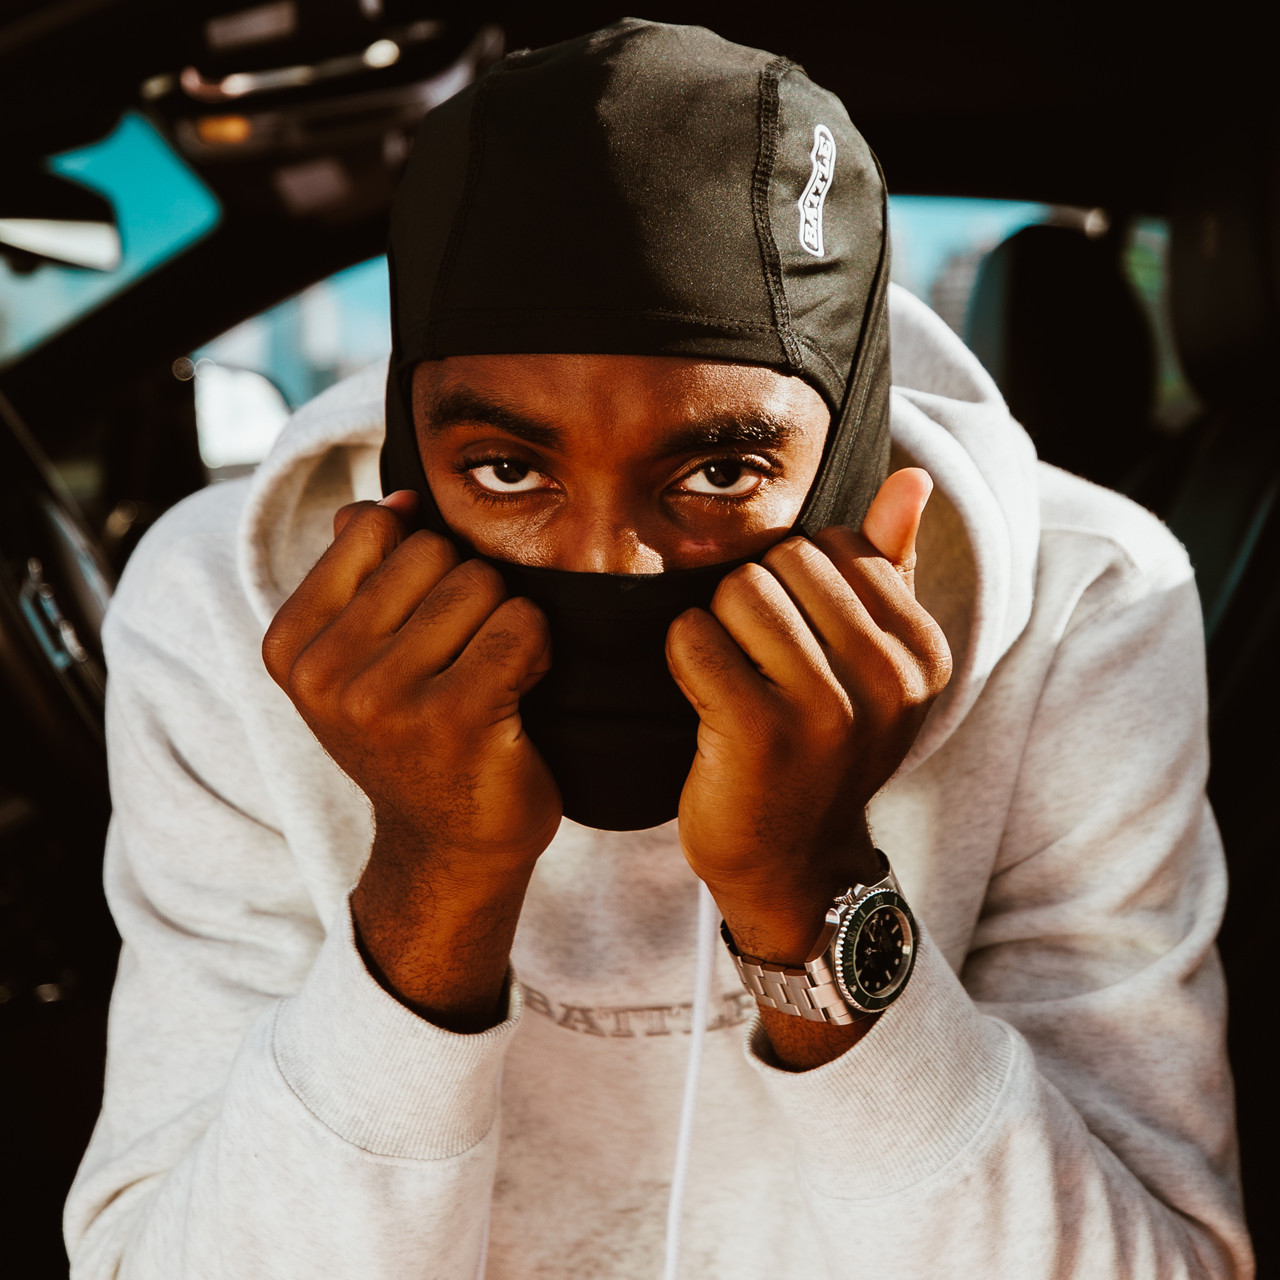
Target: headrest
{"x": 1225, "y": 269}
{"x": 1059, "y": 328}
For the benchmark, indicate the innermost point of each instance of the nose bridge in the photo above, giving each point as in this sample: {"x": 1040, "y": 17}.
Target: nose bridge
{"x": 607, "y": 537}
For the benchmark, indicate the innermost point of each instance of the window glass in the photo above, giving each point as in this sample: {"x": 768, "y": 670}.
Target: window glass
{"x": 249, "y": 379}
{"x": 1146, "y": 264}
{"x": 939, "y": 244}
{"x": 161, "y": 206}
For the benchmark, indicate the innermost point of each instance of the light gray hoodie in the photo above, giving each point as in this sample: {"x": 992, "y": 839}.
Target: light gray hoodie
{"x": 1050, "y": 1096}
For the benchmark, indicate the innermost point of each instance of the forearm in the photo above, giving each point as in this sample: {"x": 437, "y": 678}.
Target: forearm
{"x": 436, "y": 933}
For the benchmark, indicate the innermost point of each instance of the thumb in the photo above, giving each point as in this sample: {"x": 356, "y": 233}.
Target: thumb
{"x": 893, "y": 519}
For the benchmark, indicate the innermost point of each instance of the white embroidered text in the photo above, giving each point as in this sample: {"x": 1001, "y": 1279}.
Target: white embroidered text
{"x": 823, "y": 158}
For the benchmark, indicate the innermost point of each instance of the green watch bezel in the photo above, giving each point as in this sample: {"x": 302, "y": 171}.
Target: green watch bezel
{"x": 846, "y": 940}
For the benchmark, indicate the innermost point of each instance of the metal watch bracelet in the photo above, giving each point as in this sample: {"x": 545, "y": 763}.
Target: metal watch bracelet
{"x": 811, "y": 992}
{"x": 794, "y": 991}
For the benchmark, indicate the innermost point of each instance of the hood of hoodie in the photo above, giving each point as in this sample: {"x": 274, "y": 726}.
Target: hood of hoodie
{"x": 978, "y": 540}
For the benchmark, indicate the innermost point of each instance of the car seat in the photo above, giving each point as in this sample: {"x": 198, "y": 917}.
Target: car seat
{"x": 1226, "y": 310}
{"x": 1060, "y": 330}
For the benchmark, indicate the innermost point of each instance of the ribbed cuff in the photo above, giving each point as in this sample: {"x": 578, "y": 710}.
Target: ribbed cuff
{"x": 907, "y": 1098}
{"x": 378, "y": 1075}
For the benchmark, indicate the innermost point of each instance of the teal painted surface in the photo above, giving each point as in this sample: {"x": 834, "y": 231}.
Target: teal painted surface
{"x": 162, "y": 208}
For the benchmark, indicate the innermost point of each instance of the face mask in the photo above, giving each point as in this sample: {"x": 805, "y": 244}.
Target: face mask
{"x": 645, "y": 190}
{"x": 616, "y": 732}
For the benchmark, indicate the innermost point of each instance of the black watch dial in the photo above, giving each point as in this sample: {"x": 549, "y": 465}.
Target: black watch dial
{"x": 875, "y": 950}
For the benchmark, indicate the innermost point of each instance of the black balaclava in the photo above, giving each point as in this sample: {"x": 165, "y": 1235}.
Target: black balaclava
{"x": 643, "y": 190}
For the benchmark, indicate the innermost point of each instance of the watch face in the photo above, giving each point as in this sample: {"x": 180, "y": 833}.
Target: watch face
{"x": 875, "y": 950}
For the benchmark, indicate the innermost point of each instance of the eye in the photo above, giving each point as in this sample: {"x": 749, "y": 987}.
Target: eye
{"x": 507, "y": 475}
{"x": 724, "y": 478}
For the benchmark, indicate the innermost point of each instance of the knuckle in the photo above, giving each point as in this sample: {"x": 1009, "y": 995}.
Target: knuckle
{"x": 499, "y": 646}
{"x": 934, "y": 652}
{"x": 684, "y": 631}
{"x": 310, "y": 680}
{"x": 839, "y": 540}
{"x": 788, "y": 550}
{"x": 940, "y": 674}
{"x": 736, "y": 587}
{"x": 917, "y": 688}
{"x": 351, "y": 509}
{"x": 434, "y": 553}
{"x": 481, "y": 578}
{"x": 360, "y": 703}
{"x": 462, "y": 584}
{"x": 379, "y": 526}
{"x": 527, "y": 617}
{"x": 277, "y": 648}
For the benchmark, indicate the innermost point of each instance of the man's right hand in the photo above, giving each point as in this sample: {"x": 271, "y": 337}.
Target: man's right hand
{"x": 408, "y": 665}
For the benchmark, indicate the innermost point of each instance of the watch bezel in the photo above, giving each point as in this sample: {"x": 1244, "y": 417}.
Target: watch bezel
{"x": 847, "y": 933}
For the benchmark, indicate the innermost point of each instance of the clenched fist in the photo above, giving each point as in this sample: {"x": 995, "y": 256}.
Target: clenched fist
{"x": 408, "y": 665}
{"x": 811, "y": 675}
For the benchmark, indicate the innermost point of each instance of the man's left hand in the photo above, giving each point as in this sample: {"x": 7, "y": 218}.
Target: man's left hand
{"x": 811, "y": 675}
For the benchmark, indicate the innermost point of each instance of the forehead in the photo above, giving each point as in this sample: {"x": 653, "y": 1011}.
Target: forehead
{"x": 637, "y": 396}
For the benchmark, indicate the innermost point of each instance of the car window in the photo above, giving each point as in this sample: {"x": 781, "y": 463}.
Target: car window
{"x": 939, "y": 244}
{"x": 161, "y": 207}
{"x": 252, "y": 377}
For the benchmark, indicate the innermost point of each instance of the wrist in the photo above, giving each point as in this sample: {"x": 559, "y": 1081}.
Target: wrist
{"x": 779, "y": 914}
{"x": 436, "y": 938}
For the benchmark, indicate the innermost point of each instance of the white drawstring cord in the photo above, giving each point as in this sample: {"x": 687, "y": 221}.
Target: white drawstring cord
{"x": 706, "y": 950}
{"x": 488, "y": 1209}
{"x": 484, "y": 1244}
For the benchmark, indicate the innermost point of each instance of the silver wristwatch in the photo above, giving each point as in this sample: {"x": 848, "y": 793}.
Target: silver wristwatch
{"x": 859, "y": 965}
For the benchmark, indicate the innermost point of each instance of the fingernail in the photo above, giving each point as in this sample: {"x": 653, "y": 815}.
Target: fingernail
{"x": 390, "y": 499}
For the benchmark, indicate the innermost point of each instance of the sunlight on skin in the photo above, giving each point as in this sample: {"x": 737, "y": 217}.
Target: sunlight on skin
{"x": 624, "y": 465}
{"x": 617, "y": 493}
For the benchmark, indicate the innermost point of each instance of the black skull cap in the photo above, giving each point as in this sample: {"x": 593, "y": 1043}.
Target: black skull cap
{"x": 649, "y": 189}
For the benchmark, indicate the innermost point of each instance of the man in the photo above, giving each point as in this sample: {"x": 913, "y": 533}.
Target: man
{"x": 636, "y": 406}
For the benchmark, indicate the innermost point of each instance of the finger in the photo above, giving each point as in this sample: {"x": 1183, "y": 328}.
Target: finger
{"x": 885, "y": 590}
{"x": 503, "y": 660}
{"x": 861, "y": 612}
{"x": 765, "y": 623}
{"x": 389, "y": 596}
{"x": 369, "y": 534}
{"x": 893, "y": 519}
{"x": 441, "y": 626}
{"x": 859, "y": 653}
{"x": 822, "y": 593}
{"x": 710, "y": 668}
{"x": 874, "y": 634}
{"x": 404, "y": 502}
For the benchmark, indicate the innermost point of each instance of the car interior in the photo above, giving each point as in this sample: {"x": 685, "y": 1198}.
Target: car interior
{"x": 193, "y": 205}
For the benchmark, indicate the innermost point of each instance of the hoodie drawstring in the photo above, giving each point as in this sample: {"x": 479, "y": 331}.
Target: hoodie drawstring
{"x": 705, "y": 964}
{"x": 706, "y": 950}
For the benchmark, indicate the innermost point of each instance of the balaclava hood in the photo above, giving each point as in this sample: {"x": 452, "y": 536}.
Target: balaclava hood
{"x": 643, "y": 190}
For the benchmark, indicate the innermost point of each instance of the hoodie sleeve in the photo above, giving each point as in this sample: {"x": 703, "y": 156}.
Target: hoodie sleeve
{"x": 1064, "y": 1107}
{"x": 269, "y": 1110}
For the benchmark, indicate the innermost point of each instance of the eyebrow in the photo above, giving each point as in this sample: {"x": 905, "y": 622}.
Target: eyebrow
{"x": 752, "y": 428}
{"x": 460, "y": 406}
